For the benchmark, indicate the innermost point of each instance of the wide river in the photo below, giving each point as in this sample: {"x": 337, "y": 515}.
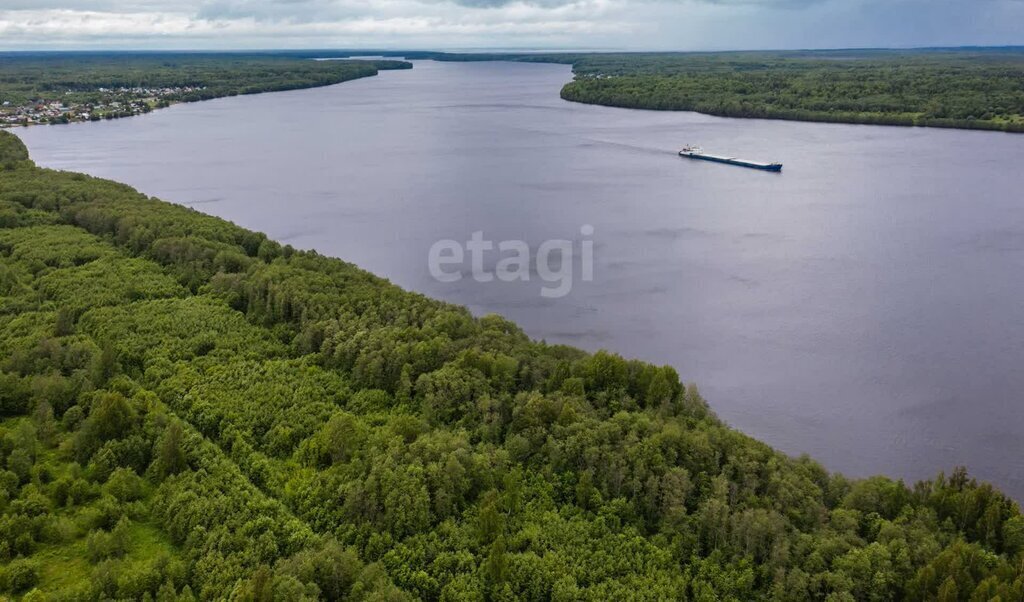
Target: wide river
{"x": 866, "y": 306}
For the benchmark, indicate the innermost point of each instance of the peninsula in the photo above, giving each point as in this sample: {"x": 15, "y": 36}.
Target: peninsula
{"x": 48, "y": 88}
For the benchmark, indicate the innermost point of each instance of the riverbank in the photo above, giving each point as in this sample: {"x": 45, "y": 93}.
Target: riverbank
{"x": 54, "y": 88}
{"x": 190, "y": 408}
{"x": 623, "y": 92}
{"x": 974, "y": 88}
{"x": 960, "y": 88}
{"x": 791, "y": 316}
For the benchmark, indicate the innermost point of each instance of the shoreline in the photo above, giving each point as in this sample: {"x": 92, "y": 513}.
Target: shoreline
{"x": 58, "y": 113}
{"x": 867, "y": 119}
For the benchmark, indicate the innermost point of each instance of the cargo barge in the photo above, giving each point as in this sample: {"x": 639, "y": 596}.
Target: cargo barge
{"x": 695, "y": 152}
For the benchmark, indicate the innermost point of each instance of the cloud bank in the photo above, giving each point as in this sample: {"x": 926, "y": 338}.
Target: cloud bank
{"x": 454, "y": 24}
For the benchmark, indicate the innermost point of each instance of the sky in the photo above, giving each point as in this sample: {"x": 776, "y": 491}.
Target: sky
{"x": 507, "y": 24}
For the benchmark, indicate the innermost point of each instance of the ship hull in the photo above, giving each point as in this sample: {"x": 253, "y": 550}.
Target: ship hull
{"x": 774, "y": 167}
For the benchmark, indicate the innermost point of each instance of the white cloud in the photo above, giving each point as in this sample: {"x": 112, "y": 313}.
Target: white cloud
{"x": 659, "y": 24}
{"x": 317, "y": 19}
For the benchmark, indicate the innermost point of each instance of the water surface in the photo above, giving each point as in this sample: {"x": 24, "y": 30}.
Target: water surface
{"x": 865, "y": 306}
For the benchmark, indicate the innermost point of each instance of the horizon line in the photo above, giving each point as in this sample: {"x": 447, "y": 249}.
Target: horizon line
{"x": 497, "y": 50}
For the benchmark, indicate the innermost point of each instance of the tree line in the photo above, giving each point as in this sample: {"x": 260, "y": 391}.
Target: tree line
{"x": 88, "y": 79}
{"x": 953, "y": 88}
{"x": 973, "y": 89}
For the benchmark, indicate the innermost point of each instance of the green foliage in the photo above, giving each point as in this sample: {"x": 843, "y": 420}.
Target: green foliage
{"x": 152, "y": 334}
{"x": 12, "y": 152}
{"x": 111, "y": 416}
{"x": 975, "y": 89}
{"x": 18, "y": 576}
{"x": 272, "y": 405}
{"x": 103, "y": 85}
{"x": 42, "y": 247}
{"x": 972, "y": 88}
{"x": 194, "y": 412}
{"x": 106, "y": 282}
{"x": 171, "y": 457}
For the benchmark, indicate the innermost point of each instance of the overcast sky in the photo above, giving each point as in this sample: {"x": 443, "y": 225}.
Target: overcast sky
{"x": 489, "y": 24}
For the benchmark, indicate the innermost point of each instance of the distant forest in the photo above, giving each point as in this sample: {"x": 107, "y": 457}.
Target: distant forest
{"x": 957, "y": 88}
{"x": 114, "y": 81}
{"x": 970, "y": 88}
{"x": 191, "y": 411}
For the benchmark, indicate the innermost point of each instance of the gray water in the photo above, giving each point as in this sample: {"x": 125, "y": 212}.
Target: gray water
{"x": 866, "y": 306}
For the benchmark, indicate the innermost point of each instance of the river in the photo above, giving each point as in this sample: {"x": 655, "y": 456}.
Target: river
{"x": 866, "y": 306}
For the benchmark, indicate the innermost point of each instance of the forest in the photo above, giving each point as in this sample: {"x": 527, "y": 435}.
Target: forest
{"x": 972, "y": 89}
{"x": 107, "y": 84}
{"x": 969, "y": 88}
{"x": 192, "y": 411}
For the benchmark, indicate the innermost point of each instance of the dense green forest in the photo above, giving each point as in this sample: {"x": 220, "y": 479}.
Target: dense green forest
{"x": 107, "y": 85}
{"x": 957, "y": 88}
{"x": 190, "y": 411}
